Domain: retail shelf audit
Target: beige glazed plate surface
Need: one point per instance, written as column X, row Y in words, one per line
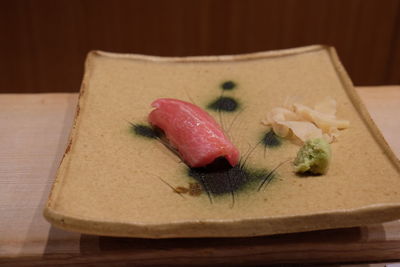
column 115, row 181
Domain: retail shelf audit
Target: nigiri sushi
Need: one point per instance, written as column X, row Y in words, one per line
column 195, row 134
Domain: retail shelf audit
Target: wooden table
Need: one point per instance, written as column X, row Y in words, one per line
column 33, row 134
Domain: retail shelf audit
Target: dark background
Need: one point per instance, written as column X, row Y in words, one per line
column 43, row 43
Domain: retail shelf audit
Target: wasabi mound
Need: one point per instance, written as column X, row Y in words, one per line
column 313, row 157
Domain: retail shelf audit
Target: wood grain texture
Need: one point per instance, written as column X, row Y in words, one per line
column 34, row 131
column 44, row 43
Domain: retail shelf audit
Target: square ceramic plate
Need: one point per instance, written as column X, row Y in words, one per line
column 115, row 181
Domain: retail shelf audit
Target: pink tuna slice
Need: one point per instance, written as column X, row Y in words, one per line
column 193, row 132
